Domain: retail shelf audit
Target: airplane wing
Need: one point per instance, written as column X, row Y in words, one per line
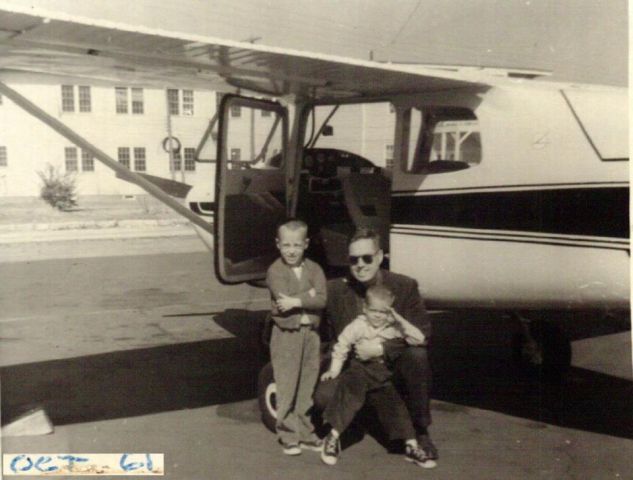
column 38, row 41
column 35, row 41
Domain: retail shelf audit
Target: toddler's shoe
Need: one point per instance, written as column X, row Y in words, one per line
column 331, row 449
column 418, row 456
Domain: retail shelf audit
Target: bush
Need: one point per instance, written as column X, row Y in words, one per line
column 58, row 189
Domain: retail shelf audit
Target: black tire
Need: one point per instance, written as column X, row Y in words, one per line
column 267, row 397
column 554, row 348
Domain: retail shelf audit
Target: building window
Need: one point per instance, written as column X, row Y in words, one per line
column 190, row 161
column 70, row 156
column 68, row 98
column 121, row 99
column 124, row 156
column 175, row 165
column 187, row 102
column 139, row 159
column 172, row 101
column 236, row 154
column 87, row 162
column 236, row 111
column 137, row 101
column 85, row 102
column 72, row 161
column 3, row 157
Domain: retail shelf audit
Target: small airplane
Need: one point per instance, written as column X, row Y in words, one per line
column 507, row 192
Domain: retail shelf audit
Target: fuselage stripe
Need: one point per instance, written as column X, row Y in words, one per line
column 528, row 235
column 584, row 212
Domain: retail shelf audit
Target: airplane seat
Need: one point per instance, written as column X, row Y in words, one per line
column 368, row 201
column 334, row 238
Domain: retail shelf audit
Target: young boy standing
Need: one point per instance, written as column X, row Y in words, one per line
column 379, row 320
column 298, row 292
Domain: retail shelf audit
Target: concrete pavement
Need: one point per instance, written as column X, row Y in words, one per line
column 148, row 353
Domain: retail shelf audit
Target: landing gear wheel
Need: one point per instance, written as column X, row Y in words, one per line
column 545, row 351
column 267, row 397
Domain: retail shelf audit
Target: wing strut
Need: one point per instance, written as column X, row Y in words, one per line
column 122, row 171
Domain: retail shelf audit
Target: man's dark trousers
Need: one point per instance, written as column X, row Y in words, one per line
column 369, row 381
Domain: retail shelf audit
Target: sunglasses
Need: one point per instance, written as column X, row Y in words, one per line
column 367, row 259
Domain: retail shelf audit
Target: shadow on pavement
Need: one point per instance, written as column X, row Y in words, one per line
column 471, row 367
column 142, row 381
column 470, row 358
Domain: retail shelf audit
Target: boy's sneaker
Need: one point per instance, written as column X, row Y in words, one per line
column 425, row 443
column 331, row 449
column 291, row 448
column 419, row 457
column 315, row 445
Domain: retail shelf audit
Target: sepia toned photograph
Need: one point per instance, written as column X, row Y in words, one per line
column 306, row 239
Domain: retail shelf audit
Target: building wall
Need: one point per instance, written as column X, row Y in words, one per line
column 31, row 145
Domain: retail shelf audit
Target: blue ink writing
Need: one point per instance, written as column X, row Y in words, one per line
column 71, row 460
column 46, row 459
column 15, row 461
column 128, row 467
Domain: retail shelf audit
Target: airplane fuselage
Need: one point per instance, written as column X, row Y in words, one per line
column 538, row 221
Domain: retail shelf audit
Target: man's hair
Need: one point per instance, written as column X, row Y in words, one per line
column 293, row 224
column 380, row 292
column 363, row 233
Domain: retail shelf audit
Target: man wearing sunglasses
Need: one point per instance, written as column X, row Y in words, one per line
column 410, row 364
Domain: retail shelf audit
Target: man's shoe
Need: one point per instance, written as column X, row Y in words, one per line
column 291, row 448
column 425, row 443
column 315, row 445
column 418, row 456
column 331, row 449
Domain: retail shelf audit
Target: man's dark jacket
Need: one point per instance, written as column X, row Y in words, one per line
column 344, row 304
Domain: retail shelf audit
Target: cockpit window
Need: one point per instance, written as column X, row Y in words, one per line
column 364, row 130
column 441, row 139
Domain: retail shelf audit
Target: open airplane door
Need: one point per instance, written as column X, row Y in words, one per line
column 250, row 187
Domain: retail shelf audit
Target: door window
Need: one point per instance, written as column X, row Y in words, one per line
column 251, row 194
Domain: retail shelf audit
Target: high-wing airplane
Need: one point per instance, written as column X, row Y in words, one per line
column 507, row 192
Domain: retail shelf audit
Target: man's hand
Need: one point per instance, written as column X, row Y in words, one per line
column 366, row 349
column 286, row 303
column 329, row 375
